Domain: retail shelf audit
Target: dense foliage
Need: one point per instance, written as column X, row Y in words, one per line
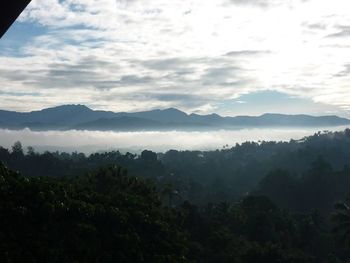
column 110, row 217
column 217, row 176
column 256, row 202
column 102, row 217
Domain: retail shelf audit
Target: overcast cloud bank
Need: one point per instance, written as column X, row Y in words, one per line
column 198, row 56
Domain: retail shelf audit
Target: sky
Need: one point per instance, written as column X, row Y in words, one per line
column 231, row 57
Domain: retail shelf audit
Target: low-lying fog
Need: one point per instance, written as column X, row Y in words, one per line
column 160, row 141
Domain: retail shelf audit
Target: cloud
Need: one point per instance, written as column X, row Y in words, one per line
column 260, row 3
column 175, row 97
column 248, row 53
column 345, row 72
column 265, row 3
column 269, row 101
column 164, row 64
column 194, row 55
column 342, row 31
column 315, row 26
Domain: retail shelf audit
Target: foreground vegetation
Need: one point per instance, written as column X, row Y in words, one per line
column 110, row 217
column 257, row 202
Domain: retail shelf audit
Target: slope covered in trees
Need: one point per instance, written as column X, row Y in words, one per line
column 107, row 216
column 255, row 202
column 101, row 217
column 321, row 160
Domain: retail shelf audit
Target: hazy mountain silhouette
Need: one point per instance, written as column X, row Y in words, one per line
column 81, row 117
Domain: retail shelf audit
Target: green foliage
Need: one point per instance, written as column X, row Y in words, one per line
column 103, row 217
column 318, row 188
column 17, row 149
column 108, row 216
column 255, row 202
column 252, row 230
column 218, row 176
column 341, row 221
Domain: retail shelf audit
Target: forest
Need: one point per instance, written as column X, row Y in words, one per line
column 255, row 202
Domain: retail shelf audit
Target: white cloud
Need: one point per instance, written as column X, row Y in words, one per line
column 120, row 55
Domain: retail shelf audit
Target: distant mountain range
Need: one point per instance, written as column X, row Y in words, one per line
column 80, row 117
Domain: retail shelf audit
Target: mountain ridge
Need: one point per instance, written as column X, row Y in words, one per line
column 66, row 117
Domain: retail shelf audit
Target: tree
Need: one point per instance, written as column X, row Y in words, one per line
column 17, row 148
column 281, row 187
column 30, row 150
column 341, row 220
column 149, row 156
column 105, row 216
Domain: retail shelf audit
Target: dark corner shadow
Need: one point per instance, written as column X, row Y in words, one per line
column 9, row 11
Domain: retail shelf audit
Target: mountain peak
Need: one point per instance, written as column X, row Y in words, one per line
column 174, row 110
column 72, row 106
column 67, row 108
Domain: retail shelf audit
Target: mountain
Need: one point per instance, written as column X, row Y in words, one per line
column 167, row 115
column 80, row 117
column 300, row 120
column 61, row 117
